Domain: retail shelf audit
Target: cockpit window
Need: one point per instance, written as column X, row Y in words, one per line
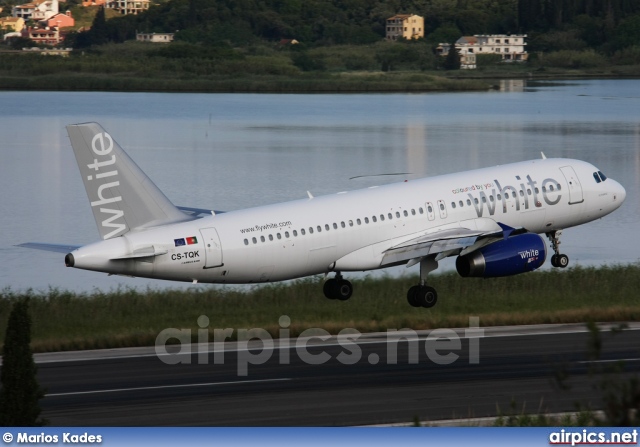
column 599, row 176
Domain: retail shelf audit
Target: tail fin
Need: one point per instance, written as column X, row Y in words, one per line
column 122, row 197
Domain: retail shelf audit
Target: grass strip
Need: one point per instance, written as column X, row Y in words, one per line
column 64, row 320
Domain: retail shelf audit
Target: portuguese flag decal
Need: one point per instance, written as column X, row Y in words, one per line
column 192, row 240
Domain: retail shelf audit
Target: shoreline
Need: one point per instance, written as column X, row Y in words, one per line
column 330, row 83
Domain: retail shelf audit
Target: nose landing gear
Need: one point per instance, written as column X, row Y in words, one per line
column 558, row 259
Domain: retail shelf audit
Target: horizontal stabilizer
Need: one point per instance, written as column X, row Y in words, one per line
column 145, row 252
column 59, row 248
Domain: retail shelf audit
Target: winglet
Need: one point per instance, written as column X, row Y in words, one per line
column 309, row 194
column 544, row 157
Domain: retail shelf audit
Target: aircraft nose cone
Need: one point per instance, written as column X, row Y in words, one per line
column 620, row 193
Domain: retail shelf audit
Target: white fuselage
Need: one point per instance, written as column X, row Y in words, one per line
column 350, row 231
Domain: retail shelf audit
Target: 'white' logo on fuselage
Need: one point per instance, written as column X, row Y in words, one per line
column 502, row 192
column 102, row 144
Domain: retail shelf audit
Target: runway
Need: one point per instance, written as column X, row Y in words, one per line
column 375, row 379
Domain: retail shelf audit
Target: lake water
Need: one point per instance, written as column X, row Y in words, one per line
column 230, row 151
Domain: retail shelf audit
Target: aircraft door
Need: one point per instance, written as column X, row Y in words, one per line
column 575, row 188
column 442, row 209
column 212, row 248
column 431, row 214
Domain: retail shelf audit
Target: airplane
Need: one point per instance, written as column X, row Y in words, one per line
column 491, row 219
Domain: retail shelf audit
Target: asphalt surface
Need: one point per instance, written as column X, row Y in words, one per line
column 356, row 384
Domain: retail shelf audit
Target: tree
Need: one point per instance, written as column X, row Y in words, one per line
column 99, row 32
column 452, row 60
column 20, row 390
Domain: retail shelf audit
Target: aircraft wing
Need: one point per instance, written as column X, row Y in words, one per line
column 446, row 242
column 60, row 248
column 198, row 211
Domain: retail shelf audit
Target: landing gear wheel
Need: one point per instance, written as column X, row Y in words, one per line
column 412, row 295
column 562, row 261
column 422, row 296
column 427, row 296
column 337, row 288
column 343, row 290
column 329, row 288
column 554, row 261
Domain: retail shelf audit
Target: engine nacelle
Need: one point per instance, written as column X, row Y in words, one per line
column 518, row 254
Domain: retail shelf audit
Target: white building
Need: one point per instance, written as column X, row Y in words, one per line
column 128, row 6
column 510, row 47
column 155, row 37
column 36, row 10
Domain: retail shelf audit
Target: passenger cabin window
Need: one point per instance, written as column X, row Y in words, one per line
column 326, row 227
column 279, row 236
column 310, row 230
column 373, row 218
column 359, row 221
column 405, row 213
column 430, row 209
column 246, row 242
column 468, row 202
column 366, row 220
column 295, row 233
column 254, row 240
column 398, row 214
column 413, row 212
column 350, row 223
column 261, row 238
column 342, row 224
column 420, row 210
column 442, row 206
column 335, row 226
column 453, row 204
column 382, row 217
column 271, row 237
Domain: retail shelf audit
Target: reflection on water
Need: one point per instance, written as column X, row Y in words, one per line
column 512, row 85
column 231, row 151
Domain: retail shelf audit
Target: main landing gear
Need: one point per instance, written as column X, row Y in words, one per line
column 423, row 295
column 338, row 288
column 558, row 259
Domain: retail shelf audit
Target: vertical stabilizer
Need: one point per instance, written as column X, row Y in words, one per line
column 122, row 197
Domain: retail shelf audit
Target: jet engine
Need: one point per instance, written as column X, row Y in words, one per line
column 517, row 254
